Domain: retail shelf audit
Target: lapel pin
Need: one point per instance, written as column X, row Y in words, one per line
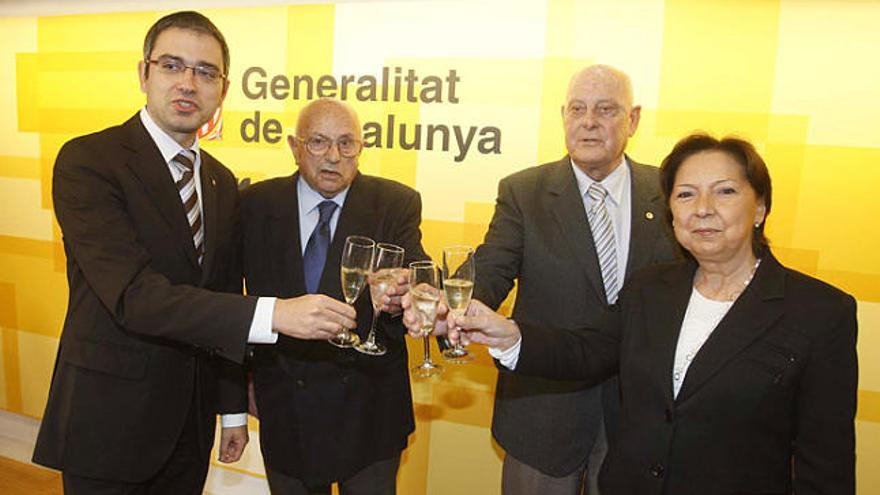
column 649, row 215
column 213, row 182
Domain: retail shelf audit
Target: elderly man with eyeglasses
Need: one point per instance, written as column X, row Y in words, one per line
column 569, row 233
column 329, row 414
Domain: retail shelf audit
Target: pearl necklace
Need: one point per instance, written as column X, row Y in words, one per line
column 679, row 372
column 733, row 294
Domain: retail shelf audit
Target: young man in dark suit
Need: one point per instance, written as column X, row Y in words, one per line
column 569, row 233
column 156, row 320
column 329, row 414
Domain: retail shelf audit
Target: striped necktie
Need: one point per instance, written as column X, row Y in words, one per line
column 186, row 186
column 603, row 238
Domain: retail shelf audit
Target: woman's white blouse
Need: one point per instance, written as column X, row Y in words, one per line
column 700, row 320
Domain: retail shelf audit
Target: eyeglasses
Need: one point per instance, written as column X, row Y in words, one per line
column 173, row 66
column 319, row 145
column 601, row 110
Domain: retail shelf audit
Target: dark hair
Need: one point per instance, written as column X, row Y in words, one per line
column 742, row 152
column 186, row 20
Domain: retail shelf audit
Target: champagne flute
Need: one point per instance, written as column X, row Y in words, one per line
column 357, row 257
column 458, row 285
column 423, row 280
column 382, row 276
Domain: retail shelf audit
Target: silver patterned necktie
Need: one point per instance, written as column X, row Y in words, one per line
column 186, row 186
column 603, row 239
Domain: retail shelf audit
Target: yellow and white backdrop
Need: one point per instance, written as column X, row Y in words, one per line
column 455, row 95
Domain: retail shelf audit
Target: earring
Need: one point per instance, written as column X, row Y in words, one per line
column 757, row 224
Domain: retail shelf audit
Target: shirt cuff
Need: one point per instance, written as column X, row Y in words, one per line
column 508, row 358
column 261, row 326
column 233, row 420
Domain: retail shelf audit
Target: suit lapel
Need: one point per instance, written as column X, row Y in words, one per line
column 209, row 214
column 150, row 168
column 664, row 312
column 286, row 249
column 567, row 206
column 355, row 215
column 646, row 212
column 755, row 311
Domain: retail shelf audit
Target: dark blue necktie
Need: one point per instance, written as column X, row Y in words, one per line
column 316, row 250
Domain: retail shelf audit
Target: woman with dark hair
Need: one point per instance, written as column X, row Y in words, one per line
column 737, row 375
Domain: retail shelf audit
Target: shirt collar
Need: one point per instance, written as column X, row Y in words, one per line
column 309, row 199
column 167, row 145
column 614, row 183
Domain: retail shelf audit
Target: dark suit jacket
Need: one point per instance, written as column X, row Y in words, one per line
column 767, row 405
column 141, row 327
column 326, row 413
column 540, row 237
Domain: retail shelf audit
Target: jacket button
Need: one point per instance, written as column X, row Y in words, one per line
column 301, row 383
column 670, row 415
column 657, row 470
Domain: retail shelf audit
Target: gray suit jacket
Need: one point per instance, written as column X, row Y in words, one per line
column 540, row 237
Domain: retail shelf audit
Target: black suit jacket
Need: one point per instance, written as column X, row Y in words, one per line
column 142, row 334
column 540, row 237
column 767, row 405
column 326, row 413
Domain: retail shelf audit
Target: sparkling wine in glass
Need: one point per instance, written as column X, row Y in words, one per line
column 458, row 286
column 357, row 257
column 423, row 280
column 383, row 275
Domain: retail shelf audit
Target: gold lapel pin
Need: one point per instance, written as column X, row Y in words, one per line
column 649, row 215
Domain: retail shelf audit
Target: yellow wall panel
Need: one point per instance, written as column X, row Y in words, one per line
column 719, row 55
column 36, row 361
column 93, row 32
column 17, row 34
column 19, row 167
column 837, row 207
column 869, row 344
column 11, row 370
column 41, row 293
column 4, row 403
column 823, row 69
column 867, row 452
column 21, row 212
column 788, row 74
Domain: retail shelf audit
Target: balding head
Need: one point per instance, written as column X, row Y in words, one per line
column 599, row 118
column 606, row 75
column 327, row 145
column 317, row 108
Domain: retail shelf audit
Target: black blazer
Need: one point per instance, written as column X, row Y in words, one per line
column 540, row 237
column 767, row 405
column 326, row 413
column 142, row 333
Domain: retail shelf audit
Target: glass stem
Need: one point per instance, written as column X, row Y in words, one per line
column 427, row 350
column 371, row 338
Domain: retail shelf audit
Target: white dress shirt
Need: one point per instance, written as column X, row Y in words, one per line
column 309, row 214
column 700, row 319
column 260, row 331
